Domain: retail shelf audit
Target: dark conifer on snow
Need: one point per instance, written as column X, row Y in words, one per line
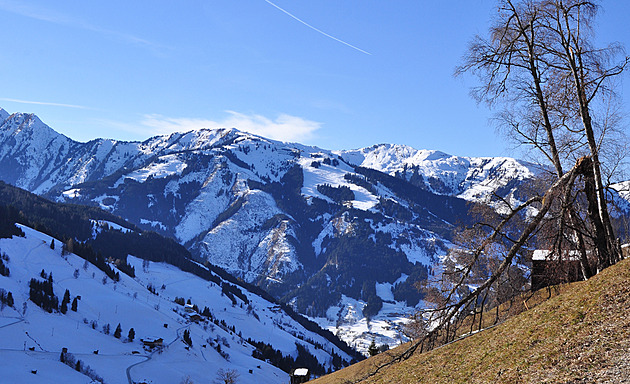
column 118, row 331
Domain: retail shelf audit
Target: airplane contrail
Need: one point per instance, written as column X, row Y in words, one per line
column 318, row 30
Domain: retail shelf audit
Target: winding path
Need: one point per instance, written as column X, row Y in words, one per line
column 150, row 356
column 15, row 322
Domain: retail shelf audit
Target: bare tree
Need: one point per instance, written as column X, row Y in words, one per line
column 557, row 89
column 558, row 92
column 539, row 61
column 227, row 376
column 587, row 72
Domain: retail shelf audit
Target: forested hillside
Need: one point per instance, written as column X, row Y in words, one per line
column 106, row 241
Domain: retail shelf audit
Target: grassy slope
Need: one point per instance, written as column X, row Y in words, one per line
column 579, row 336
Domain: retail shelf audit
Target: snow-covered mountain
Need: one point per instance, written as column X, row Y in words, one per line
column 341, row 236
column 233, row 329
column 470, row 178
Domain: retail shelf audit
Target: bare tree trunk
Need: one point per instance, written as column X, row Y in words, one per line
column 605, row 236
column 569, row 38
column 601, row 241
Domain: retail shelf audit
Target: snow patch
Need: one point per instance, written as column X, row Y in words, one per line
column 72, row 193
column 154, row 223
column 163, row 167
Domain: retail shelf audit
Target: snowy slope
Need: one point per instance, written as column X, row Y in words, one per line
column 32, row 339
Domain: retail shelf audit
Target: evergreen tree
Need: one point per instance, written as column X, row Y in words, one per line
column 52, row 244
column 4, row 270
column 41, row 293
column 6, row 298
column 64, row 302
column 187, row 338
column 373, row 349
column 118, row 331
column 74, row 304
column 132, row 334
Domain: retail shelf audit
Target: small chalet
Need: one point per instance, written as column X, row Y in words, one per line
column 549, row 269
column 196, row 318
column 300, row 375
column 153, row 342
column 189, row 308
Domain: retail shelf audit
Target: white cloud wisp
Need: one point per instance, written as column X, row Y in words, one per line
column 43, row 103
column 283, row 128
column 52, row 16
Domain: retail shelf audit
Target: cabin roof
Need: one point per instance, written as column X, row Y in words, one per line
column 546, row 255
column 151, row 339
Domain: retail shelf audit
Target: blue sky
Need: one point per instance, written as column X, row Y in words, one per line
column 336, row 74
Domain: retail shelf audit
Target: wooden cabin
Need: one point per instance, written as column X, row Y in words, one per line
column 153, row 342
column 300, row 375
column 549, row 269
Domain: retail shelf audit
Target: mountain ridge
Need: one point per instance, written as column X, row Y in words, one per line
column 296, row 220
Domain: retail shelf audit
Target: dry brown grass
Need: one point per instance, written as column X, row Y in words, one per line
column 581, row 335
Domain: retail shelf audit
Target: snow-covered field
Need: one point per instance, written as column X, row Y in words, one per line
column 32, row 339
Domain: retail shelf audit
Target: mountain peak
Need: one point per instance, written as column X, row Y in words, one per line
column 431, row 155
column 390, row 158
column 3, row 115
column 27, row 122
